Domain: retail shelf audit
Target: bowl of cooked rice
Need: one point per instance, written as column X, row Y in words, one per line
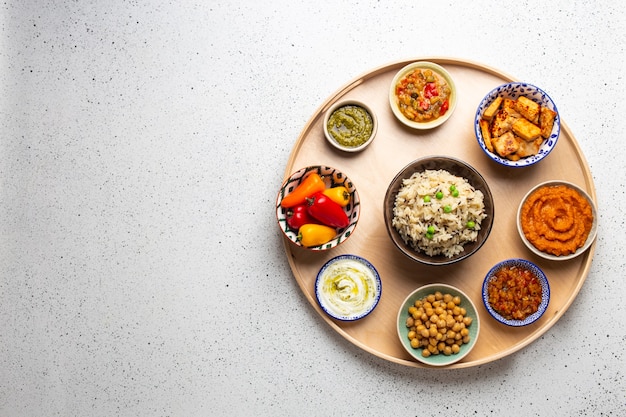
column 438, row 210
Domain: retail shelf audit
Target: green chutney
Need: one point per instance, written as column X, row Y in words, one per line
column 350, row 125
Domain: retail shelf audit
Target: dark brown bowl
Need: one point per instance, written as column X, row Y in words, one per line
column 455, row 167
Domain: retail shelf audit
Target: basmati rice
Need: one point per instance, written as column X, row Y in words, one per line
column 438, row 226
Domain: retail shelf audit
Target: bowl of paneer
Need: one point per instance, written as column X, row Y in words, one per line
column 517, row 124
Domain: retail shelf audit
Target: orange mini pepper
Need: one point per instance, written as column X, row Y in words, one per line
column 312, row 184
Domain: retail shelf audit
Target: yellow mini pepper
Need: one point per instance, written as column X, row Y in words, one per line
column 315, row 234
column 339, row 195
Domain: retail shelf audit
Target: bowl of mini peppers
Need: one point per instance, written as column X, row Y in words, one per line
column 318, row 207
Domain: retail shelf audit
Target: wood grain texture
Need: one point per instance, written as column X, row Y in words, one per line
column 373, row 169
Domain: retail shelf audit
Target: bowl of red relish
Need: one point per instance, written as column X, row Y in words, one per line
column 516, row 292
column 422, row 95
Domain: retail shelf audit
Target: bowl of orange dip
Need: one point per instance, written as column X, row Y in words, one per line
column 516, row 292
column 557, row 220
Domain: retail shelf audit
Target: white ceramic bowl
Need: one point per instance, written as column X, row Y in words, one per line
column 361, row 283
column 355, row 103
column 513, row 91
column 332, row 177
column 393, row 99
column 439, row 359
column 537, row 272
column 590, row 237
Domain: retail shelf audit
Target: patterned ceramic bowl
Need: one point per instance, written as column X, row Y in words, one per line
column 439, row 359
column 520, row 265
column 348, row 288
column 332, row 178
column 513, row 91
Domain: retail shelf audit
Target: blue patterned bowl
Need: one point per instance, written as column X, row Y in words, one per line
column 333, row 178
column 359, row 278
column 513, row 91
column 536, row 271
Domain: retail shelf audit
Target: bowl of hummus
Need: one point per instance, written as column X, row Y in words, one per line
column 348, row 287
column 557, row 220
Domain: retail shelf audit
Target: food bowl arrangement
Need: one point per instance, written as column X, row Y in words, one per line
column 557, row 220
column 348, row 288
column 517, row 124
column 447, row 337
column 438, row 210
column 350, row 125
column 422, row 95
column 516, row 292
column 318, row 207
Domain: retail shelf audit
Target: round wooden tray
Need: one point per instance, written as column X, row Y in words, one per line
column 374, row 168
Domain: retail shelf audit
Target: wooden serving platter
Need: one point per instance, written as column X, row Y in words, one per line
column 373, row 169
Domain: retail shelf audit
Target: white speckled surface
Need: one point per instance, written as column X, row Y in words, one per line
column 141, row 272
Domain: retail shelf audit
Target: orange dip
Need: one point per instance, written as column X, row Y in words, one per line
column 556, row 219
column 515, row 293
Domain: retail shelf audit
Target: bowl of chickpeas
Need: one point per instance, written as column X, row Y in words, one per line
column 438, row 324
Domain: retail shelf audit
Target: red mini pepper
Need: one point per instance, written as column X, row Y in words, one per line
column 298, row 216
column 327, row 211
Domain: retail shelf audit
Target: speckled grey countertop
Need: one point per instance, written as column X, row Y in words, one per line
column 141, row 270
